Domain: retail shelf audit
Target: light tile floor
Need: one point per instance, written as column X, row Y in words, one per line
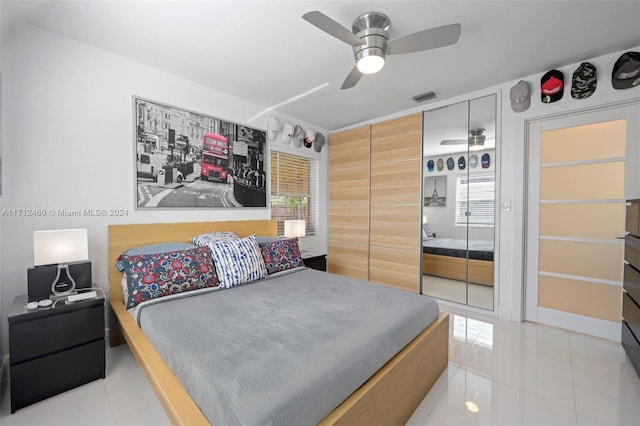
column 480, row 296
column 499, row 373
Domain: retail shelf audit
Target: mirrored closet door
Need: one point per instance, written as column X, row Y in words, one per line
column 459, row 202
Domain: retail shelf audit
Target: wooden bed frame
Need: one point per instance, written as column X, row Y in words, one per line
column 390, row 396
column 455, row 268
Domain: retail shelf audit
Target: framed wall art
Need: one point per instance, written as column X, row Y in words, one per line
column 435, row 191
column 186, row 159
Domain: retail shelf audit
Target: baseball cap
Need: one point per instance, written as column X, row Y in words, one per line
column 486, row 161
column 287, row 132
column 473, row 161
column 552, row 86
column 450, row 163
column 462, row 163
column 298, row 136
column 584, row 81
column 318, row 142
column 520, row 96
column 440, row 164
column 273, row 128
column 626, row 71
column 430, row 165
column 309, row 137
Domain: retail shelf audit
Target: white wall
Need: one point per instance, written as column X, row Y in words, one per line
column 68, row 144
column 510, row 164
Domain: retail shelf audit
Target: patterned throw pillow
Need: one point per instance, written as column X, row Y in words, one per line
column 238, row 261
column 280, row 255
column 152, row 248
column 150, row 276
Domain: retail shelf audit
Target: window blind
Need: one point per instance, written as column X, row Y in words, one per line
column 295, row 184
column 475, row 195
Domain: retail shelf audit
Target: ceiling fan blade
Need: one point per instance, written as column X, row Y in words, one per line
column 453, row 142
column 459, row 141
column 330, row 26
column 425, row 40
column 352, row 79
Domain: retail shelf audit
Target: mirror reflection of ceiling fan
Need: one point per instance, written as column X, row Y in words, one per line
column 476, row 139
column 371, row 44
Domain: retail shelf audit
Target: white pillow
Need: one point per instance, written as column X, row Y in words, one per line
column 237, row 261
column 203, row 240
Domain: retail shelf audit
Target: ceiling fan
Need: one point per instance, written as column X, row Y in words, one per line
column 371, row 44
column 476, row 139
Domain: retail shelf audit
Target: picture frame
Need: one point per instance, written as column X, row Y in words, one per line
column 186, row 159
column 435, row 191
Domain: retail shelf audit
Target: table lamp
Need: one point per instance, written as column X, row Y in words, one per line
column 59, row 247
column 294, row 228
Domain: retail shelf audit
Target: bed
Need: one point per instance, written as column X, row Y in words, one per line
column 447, row 258
column 389, row 395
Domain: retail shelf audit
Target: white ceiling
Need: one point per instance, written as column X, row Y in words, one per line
column 265, row 53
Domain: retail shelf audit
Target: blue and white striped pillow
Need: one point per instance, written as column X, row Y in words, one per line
column 238, row 261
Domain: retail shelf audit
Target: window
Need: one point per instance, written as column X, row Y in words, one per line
column 475, row 194
column 294, row 190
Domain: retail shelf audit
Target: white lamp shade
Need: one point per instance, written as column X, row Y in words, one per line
column 60, row 246
column 294, row 228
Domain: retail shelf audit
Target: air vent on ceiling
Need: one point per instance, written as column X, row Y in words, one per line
column 424, row 96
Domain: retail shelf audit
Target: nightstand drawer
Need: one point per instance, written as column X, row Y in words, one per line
column 30, row 339
column 632, row 282
column 632, row 250
column 44, row 377
column 631, row 314
column 631, row 346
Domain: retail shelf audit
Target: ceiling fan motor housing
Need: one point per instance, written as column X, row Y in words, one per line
column 476, row 137
column 372, row 28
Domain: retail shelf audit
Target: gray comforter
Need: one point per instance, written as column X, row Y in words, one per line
column 286, row 350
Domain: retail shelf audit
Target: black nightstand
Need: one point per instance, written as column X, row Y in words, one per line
column 54, row 349
column 314, row 260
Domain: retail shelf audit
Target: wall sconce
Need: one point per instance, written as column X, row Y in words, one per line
column 295, row 228
column 60, row 247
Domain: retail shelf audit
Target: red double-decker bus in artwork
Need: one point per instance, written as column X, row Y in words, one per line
column 215, row 157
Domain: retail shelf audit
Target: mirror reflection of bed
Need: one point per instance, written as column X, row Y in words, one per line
column 448, row 273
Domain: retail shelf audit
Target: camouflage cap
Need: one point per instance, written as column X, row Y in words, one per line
column 584, row 81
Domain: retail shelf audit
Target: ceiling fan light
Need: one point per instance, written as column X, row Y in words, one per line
column 370, row 64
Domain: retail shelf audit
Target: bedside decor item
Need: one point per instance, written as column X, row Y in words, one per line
column 59, row 247
column 295, row 228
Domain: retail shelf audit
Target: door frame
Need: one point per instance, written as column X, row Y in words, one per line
column 531, row 183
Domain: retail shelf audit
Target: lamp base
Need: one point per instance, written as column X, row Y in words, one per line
column 63, row 283
column 40, row 279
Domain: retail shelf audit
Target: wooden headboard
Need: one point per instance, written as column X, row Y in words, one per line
column 123, row 237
